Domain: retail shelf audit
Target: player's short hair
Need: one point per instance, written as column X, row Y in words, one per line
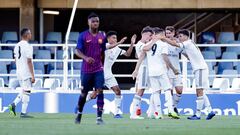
column 170, row 28
column 184, row 32
column 24, row 31
column 111, row 33
column 92, row 15
column 158, row 30
column 147, row 29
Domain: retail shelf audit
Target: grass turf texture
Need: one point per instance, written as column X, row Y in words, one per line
column 63, row 124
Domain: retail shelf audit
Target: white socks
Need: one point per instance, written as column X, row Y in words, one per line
column 176, row 99
column 207, row 103
column 169, row 100
column 157, row 102
column 18, row 98
column 200, row 102
column 25, row 101
column 118, row 101
column 136, row 104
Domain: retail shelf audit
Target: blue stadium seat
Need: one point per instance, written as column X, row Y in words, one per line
column 209, row 55
column 230, row 55
column 54, row 37
column 39, row 66
column 238, row 67
column 38, row 72
column 224, row 65
column 208, row 38
column 9, row 36
column 217, row 50
column 225, row 37
column 73, row 37
column 230, row 72
column 234, row 48
column 43, row 54
column 211, row 78
column 57, row 72
column 6, row 54
column 3, row 70
column 77, row 65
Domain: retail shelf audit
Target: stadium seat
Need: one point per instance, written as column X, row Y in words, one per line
column 37, row 73
column 224, row 65
column 38, row 83
column 9, row 37
column 238, row 67
column 1, row 82
column 54, row 37
column 3, row 70
column 225, row 37
column 57, row 72
column 209, row 55
column 211, row 78
column 230, row 55
column 51, row 83
column 210, row 66
column 236, row 83
column 235, row 49
column 43, row 54
column 73, row 84
column 39, row 66
column 208, row 38
column 59, row 56
column 221, row 83
column 217, row 50
column 6, row 54
column 73, row 37
column 230, row 72
column 77, row 65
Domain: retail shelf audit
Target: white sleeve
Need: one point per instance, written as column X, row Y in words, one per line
column 164, row 49
column 28, row 51
column 122, row 52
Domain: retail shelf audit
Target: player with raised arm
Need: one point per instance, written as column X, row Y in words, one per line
column 173, row 55
column 158, row 62
column 200, row 70
column 110, row 57
column 142, row 77
column 23, row 54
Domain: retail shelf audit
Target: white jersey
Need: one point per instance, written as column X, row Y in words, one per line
column 22, row 51
column 138, row 49
column 173, row 55
column 156, row 64
column 194, row 54
column 110, row 57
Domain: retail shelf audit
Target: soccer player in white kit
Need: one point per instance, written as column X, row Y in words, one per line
column 157, row 63
column 173, row 55
column 111, row 56
column 23, row 54
column 200, row 70
column 142, row 77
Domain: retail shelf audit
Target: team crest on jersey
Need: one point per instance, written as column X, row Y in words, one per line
column 100, row 41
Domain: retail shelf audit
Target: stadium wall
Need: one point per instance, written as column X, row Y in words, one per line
column 50, row 102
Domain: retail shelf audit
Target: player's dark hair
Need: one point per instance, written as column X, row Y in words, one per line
column 110, row 33
column 147, row 29
column 170, row 28
column 184, row 32
column 158, row 30
column 92, row 15
column 24, row 31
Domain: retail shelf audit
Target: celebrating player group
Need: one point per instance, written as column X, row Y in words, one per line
column 157, row 69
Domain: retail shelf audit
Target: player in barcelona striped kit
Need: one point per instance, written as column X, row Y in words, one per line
column 90, row 47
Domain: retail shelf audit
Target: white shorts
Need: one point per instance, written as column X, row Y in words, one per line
column 110, row 82
column 26, row 84
column 177, row 81
column 160, row 83
column 201, row 78
column 142, row 77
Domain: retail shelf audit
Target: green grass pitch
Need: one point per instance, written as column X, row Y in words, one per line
column 63, row 124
